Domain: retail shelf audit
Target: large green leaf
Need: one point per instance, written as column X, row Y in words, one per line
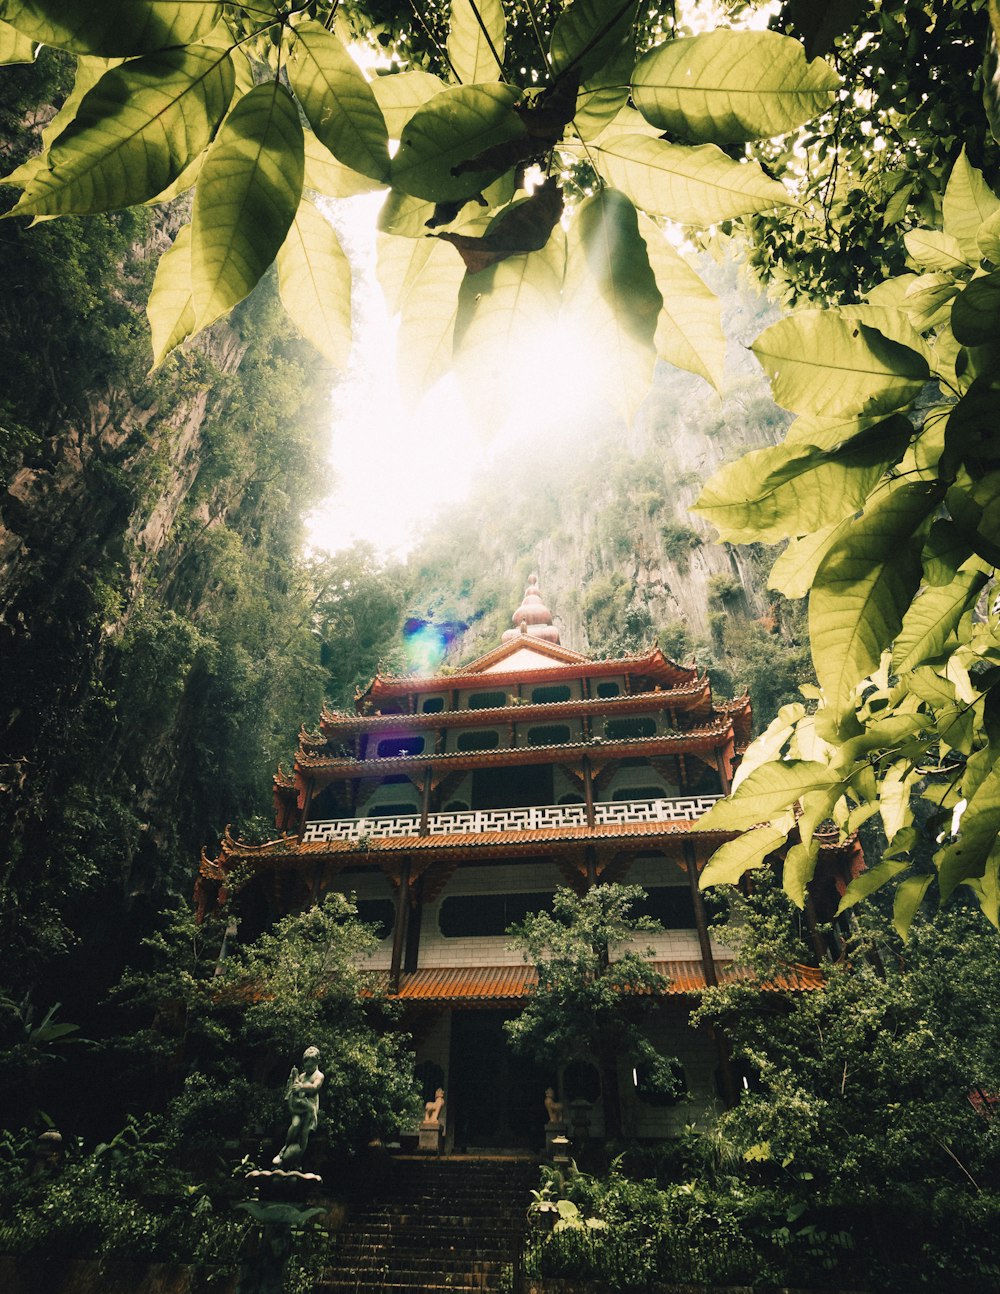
column 968, row 203
column 978, row 828
column 453, row 128
column 869, row 882
column 314, row 281
column 338, row 101
column 512, row 303
column 111, row 27
column 617, row 259
column 909, row 896
column 589, row 34
column 798, row 870
column 429, row 308
column 247, row 197
column 133, row 133
column 794, row 571
column 333, row 179
column 399, row 262
column 603, row 95
column 863, row 587
column 689, row 326
column 727, row 87
column 400, row 95
column 14, row 47
column 738, row 856
column 931, row 619
column 170, row 308
column 476, row 37
column 695, row 186
column 975, row 312
column 769, row 791
column 933, row 249
column 782, row 491
column 820, row 363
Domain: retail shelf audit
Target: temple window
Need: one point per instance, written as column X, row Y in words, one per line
column 572, row 798
column 380, row 913
column 549, row 734
column 671, row 1089
column 474, row 915
column 671, row 905
column 456, row 806
column 432, row 704
column 390, row 810
column 391, row 747
column 581, row 1082
column 639, row 725
column 608, row 689
column 639, row 793
column 478, row 739
column 550, row 694
column 487, row 700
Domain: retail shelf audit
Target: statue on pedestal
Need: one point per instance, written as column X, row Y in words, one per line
column 553, row 1108
column 433, row 1110
column 302, row 1095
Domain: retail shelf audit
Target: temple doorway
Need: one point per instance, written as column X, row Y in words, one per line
column 496, row 1099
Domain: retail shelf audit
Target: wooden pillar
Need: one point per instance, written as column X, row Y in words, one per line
column 425, row 803
column 724, row 779
column 588, row 790
column 590, row 854
column 306, row 804
column 399, row 926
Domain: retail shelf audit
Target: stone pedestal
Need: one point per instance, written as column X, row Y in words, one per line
column 279, row 1203
column 552, row 1131
column 431, row 1136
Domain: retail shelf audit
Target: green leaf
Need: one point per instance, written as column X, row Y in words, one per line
column 15, row 48
column 404, row 216
column 988, row 239
column 429, row 308
column 769, row 744
column 400, row 95
column 768, row 791
column 863, row 886
column 927, row 298
column 476, row 35
column 978, row 826
column 863, row 588
column 453, row 128
column 798, row 870
column 891, row 322
column 741, row 855
column 603, row 95
column 728, row 87
column 503, row 309
column 820, row 363
column 617, row 259
column 968, row 203
column 932, row 249
column 771, row 494
column 794, row 571
column 333, row 179
column 247, row 197
column 987, row 888
column 689, row 327
column 133, row 133
column 894, row 799
column 399, row 262
column 931, row 619
column 589, row 34
column 909, row 896
column 170, row 309
column 695, row 186
column 975, row 312
column 314, row 281
column 338, row 101
column 112, row 27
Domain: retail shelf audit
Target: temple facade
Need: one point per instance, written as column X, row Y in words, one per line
column 453, row 805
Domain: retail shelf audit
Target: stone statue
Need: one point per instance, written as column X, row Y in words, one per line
column 433, row 1110
column 553, row 1108
column 302, row 1095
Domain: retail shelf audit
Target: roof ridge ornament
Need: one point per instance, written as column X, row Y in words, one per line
column 532, row 618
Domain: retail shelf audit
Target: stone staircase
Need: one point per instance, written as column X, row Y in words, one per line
column 450, row 1224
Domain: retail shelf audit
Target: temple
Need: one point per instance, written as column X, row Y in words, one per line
column 452, row 805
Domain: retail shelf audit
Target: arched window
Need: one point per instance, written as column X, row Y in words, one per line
column 487, row 700
column 549, row 734
column 478, row 739
column 392, row 747
column 663, row 1084
column 639, row 793
column 432, row 704
column 638, row 725
column 608, row 689
column 550, row 693
column 380, row 913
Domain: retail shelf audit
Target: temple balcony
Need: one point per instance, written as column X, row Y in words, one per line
column 532, row 818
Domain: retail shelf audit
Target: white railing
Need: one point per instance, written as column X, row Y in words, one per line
column 479, row 821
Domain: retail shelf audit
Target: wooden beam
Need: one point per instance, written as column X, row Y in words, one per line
column 588, row 790
column 399, row 926
column 425, row 803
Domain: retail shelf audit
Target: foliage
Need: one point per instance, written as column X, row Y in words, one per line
column 886, row 488
column 554, row 95
column 594, row 987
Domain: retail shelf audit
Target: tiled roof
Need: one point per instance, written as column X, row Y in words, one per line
column 496, row 985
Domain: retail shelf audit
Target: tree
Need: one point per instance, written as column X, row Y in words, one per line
column 587, row 1005
column 473, row 253
column 887, row 488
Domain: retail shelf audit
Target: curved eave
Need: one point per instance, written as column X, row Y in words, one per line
column 697, row 740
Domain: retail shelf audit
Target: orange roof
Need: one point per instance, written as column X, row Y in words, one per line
column 496, row 985
column 483, row 671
